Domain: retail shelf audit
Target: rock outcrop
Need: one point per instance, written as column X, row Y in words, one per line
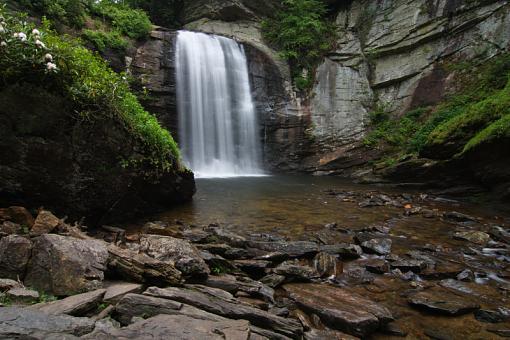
column 74, row 167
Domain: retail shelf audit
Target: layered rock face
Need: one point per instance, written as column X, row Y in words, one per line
column 393, row 55
column 390, row 54
column 74, row 167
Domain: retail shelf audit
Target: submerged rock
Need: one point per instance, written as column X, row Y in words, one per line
column 339, row 308
column 66, row 265
column 443, row 302
column 478, row 237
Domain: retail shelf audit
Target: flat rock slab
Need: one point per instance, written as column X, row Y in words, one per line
column 292, row 249
column 22, row 323
column 76, row 305
column 179, row 327
column 116, row 291
column 221, row 303
column 339, row 308
column 441, row 301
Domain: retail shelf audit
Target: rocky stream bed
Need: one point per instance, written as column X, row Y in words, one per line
column 341, row 280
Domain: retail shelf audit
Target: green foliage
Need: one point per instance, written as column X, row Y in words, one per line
column 96, row 91
column 133, row 23
column 478, row 113
column 103, row 40
column 43, row 297
column 302, row 34
column 69, row 12
column 164, row 13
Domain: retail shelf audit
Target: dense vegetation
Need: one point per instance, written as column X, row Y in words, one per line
column 302, row 34
column 63, row 65
column 478, row 113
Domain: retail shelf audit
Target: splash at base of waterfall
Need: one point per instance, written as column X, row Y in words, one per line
column 218, row 128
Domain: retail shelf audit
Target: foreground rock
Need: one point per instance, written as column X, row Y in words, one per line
column 219, row 302
column 443, row 302
column 76, row 305
column 340, row 309
column 66, row 265
column 22, row 323
column 15, row 252
column 141, row 268
column 185, row 256
column 178, row 327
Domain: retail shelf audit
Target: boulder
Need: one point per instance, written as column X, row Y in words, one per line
column 217, row 302
column 130, row 265
column 23, row 323
column 9, row 228
column 177, row 327
column 18, row 215
column 186, row 256
column 45, row 223
column 340, row 309
column 63, row 265
column 76, row 305
column 441, row 301
column 15, row 252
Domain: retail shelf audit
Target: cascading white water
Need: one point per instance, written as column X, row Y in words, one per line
column 218, row 130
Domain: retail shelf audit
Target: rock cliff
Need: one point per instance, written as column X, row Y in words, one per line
column 390, row 54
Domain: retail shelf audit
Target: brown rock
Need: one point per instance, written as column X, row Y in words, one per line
column 21, row 216
column 340, row 309
column 45, row 223
column 116, row 291
column 327, row 265
column 15, row 252
column 441, row 301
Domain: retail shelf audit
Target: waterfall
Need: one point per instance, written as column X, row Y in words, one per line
column 218, row 130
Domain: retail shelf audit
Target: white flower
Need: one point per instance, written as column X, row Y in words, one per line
column 3, row 44
column 22, row 36
column 48, row 57
column 2, row 29
column 51, row 67
column 15, row 35
column 39, row 44
column 35, row 31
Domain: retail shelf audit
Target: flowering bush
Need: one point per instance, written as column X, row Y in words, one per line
column 23, row 52
column 63, row 66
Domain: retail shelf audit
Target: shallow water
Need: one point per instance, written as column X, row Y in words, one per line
column 299, row 207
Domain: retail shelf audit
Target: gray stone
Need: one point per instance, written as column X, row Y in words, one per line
column 66, row 265
column 296, row 272
column 235, row 284
column 340, row 309
column 76, row 305
column 178, row 327
column 6, row 284
column 186, row 257
column 214, row 301
column 15, row 252
column 22, row 323
column 344, row 250
column 273, row 280
column 292, row 249
column 22, row 295
column 478, row 237
column 380, row 246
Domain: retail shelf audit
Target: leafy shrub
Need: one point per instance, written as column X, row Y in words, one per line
column 103, row 40
column 133, row 23
column 95, row 90
column 69, row 12
column 302, row 34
